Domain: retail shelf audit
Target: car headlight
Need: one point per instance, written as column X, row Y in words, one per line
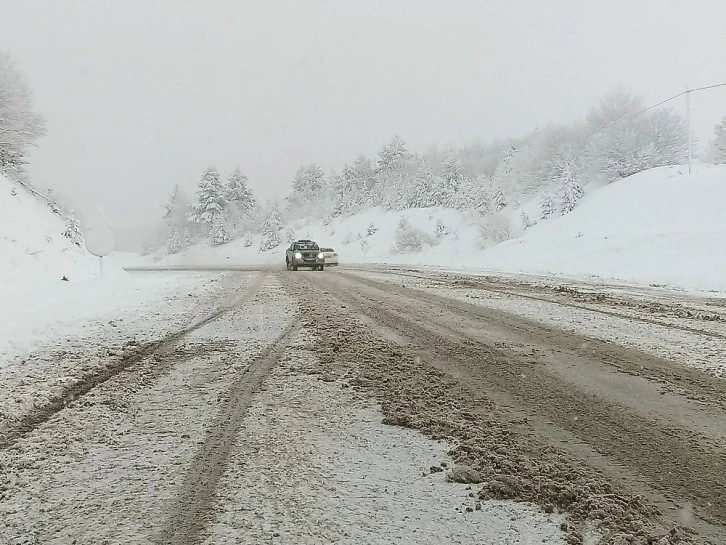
column 298, row 255
column 320, row 255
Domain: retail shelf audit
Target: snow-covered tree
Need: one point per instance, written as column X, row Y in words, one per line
column 392, row 156
column 372, row 229
column 717, row 149
column 20, row 126
column 451, row 180
column 187, row 240
column 440, row 229
column 211, row 199
column 220, row 234
column 427, row 189
column 238, row 193
column 73, row 229
column 526, row 222
column 271, row 226
column 499, row 201
column 548, row 207
column 310, row 193
column 172, row 244
column 569, row 179
column 290, row 235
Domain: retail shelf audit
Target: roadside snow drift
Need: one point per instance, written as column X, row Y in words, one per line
column 661, row 226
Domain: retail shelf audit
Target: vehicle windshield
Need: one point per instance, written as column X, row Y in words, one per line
column 306, row 246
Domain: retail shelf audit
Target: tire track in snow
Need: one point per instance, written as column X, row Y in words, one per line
column 39, row 415
column 191, row 512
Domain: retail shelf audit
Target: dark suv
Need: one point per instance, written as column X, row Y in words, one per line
column 304, row 253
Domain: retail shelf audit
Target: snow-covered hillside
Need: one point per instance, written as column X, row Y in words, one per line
column 33, row 250
column 662, row 226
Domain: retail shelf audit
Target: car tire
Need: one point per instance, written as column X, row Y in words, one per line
column 321, row 268
column 294, row 267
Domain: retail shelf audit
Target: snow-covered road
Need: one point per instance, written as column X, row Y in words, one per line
column 256, row 407
column 220, row 426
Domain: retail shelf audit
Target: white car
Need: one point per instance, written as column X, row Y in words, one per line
column 331, row 256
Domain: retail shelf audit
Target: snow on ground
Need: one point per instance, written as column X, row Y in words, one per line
column 33, row 249
column 314, row 464
column 705, row 351
column 46, row 347
column 662, row 226
column 105, row 468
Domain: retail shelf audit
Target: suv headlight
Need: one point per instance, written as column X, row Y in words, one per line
column 298, row 255
column 320, row 255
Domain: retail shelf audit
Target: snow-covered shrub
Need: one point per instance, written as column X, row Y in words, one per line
column 409, row 238
column 290, row 235
column 440, row 230
column 496, row 228
column 372, row 229
column 526, row 221
column 248, row 240
column 73, row 230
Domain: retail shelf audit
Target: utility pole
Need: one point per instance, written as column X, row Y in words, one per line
column 688, row 120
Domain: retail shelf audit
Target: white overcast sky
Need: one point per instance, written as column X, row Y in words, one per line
column 139, row 95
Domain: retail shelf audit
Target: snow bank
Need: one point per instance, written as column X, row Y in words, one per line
column 662, row 226
column 34, row 252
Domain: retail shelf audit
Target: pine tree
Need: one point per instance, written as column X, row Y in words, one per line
column 290, row 235
column 372, row 229
column 73, row 230
column 548, row 207
column 172, row 244
column 428, row 191
column 211, row 198
column 393, row 155
column 219, row 230
column 440, row 229
column 270, row 228
column 451, row 180
column 187, row 237
column 499, row 200
column 568, row 178
column 238, row 192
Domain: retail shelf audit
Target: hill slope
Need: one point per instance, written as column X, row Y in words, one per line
column 33, row 249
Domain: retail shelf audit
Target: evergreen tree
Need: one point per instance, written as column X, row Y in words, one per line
column 187, row 237
column 271, row 226
column 372, row 229
column 548, row 207
column 219, row 230
column 172, row 244
column 451, row 180
column 290, row 235
column 392, row 156
column 238, row 192
column 211, row 199
column 73, row 230
column 428, row 191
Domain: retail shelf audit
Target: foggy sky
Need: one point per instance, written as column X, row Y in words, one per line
column 139, row 95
